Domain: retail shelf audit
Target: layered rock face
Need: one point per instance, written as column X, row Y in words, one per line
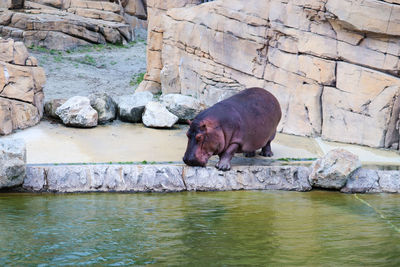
column 156, row 9
column 21, row 84
column 332, row 64
column 63, row 24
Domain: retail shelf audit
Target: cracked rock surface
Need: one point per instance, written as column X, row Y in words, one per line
column 21, row 87
column 334, row 65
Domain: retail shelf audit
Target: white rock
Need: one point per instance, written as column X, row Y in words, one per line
column 183, row 106
column 77, row 112
column 333, row 170
column 105, row 107
column 156, row 115
column 131, row 107
column 12, row 162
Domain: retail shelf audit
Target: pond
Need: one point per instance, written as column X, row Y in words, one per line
column 317, row 228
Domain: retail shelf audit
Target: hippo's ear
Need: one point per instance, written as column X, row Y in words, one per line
column 189, row 122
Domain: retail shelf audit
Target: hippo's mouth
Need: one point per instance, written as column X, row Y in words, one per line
column 195, row 162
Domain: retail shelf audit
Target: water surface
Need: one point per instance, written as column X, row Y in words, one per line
column 200, row 229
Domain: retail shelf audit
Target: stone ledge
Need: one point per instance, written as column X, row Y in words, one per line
column 162, row 178
column 176, row 178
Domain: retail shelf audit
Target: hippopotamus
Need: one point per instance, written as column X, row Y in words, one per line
column 244, row 123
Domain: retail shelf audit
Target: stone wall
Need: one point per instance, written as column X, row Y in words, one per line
column 333, row 64
column 156, row 10
column 173, row 178
column 63, row 24
column 21, row 87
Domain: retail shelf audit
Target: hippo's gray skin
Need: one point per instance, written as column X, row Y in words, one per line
column 244, row 122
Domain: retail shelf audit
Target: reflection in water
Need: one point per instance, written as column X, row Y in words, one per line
column 213, row 228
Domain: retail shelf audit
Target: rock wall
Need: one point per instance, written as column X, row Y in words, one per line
column 63, row 24
column 332, row 64
column 173, row 178
column 156, row 9
column 21, row 87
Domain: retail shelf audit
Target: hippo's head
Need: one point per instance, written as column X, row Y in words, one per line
column 204, row 141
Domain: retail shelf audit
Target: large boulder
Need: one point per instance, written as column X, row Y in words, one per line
column 131, row 107
column 105, row 107
column 333, row 170
column 12, row 162
column 78, row 112
column 157, row 116
column 51, row 106
column 21, row 87
column 182, row 106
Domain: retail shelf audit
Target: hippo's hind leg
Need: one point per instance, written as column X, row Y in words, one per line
column 249, row 154
column 266, row 150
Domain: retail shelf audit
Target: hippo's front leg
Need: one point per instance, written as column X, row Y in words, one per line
column 225, row 157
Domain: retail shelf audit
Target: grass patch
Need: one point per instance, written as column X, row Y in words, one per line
column 137, row 78
column 39, row 49
column 88, row 60
column 297, row 159
column 58, row 58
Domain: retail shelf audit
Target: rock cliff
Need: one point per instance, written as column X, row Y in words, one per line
column 63, row 24
column 21, row 87
column 333, row 64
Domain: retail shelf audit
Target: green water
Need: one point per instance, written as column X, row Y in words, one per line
column 200, row 229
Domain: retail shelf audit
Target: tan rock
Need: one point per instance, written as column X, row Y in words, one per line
column 368, row 57
column 96, row 14
column 24, row 115
column 38, row 102
column 52, row 3
column 136, row 8
column 302, row 51
column 20, row 53
column 52, row 40
column 17, row 82
column 363, row 16
column 6, row 125
column 150, row 86
column 6, row 50
column 99, row 5
column 31, row 61
column 360, row 108
column 154, row 58
column 342, row 34
column 320, row 70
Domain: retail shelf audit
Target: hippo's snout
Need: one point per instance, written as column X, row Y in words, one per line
column 192, row 162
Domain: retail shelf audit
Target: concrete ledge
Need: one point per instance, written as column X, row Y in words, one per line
column 175, row 178
column 162, row 178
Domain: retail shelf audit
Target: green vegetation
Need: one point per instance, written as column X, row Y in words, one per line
column 86, row 48
column 137, row 78
column 87, row 59
column 58, row 58
column 296, row 159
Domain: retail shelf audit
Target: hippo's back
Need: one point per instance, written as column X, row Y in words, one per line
column 259, row 114
column 256, row 102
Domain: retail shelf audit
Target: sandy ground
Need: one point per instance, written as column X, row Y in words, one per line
column 114, row 70
column 100, row 68
column 132, row 142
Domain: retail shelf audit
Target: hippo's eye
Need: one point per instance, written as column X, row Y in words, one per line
column 199, row 137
